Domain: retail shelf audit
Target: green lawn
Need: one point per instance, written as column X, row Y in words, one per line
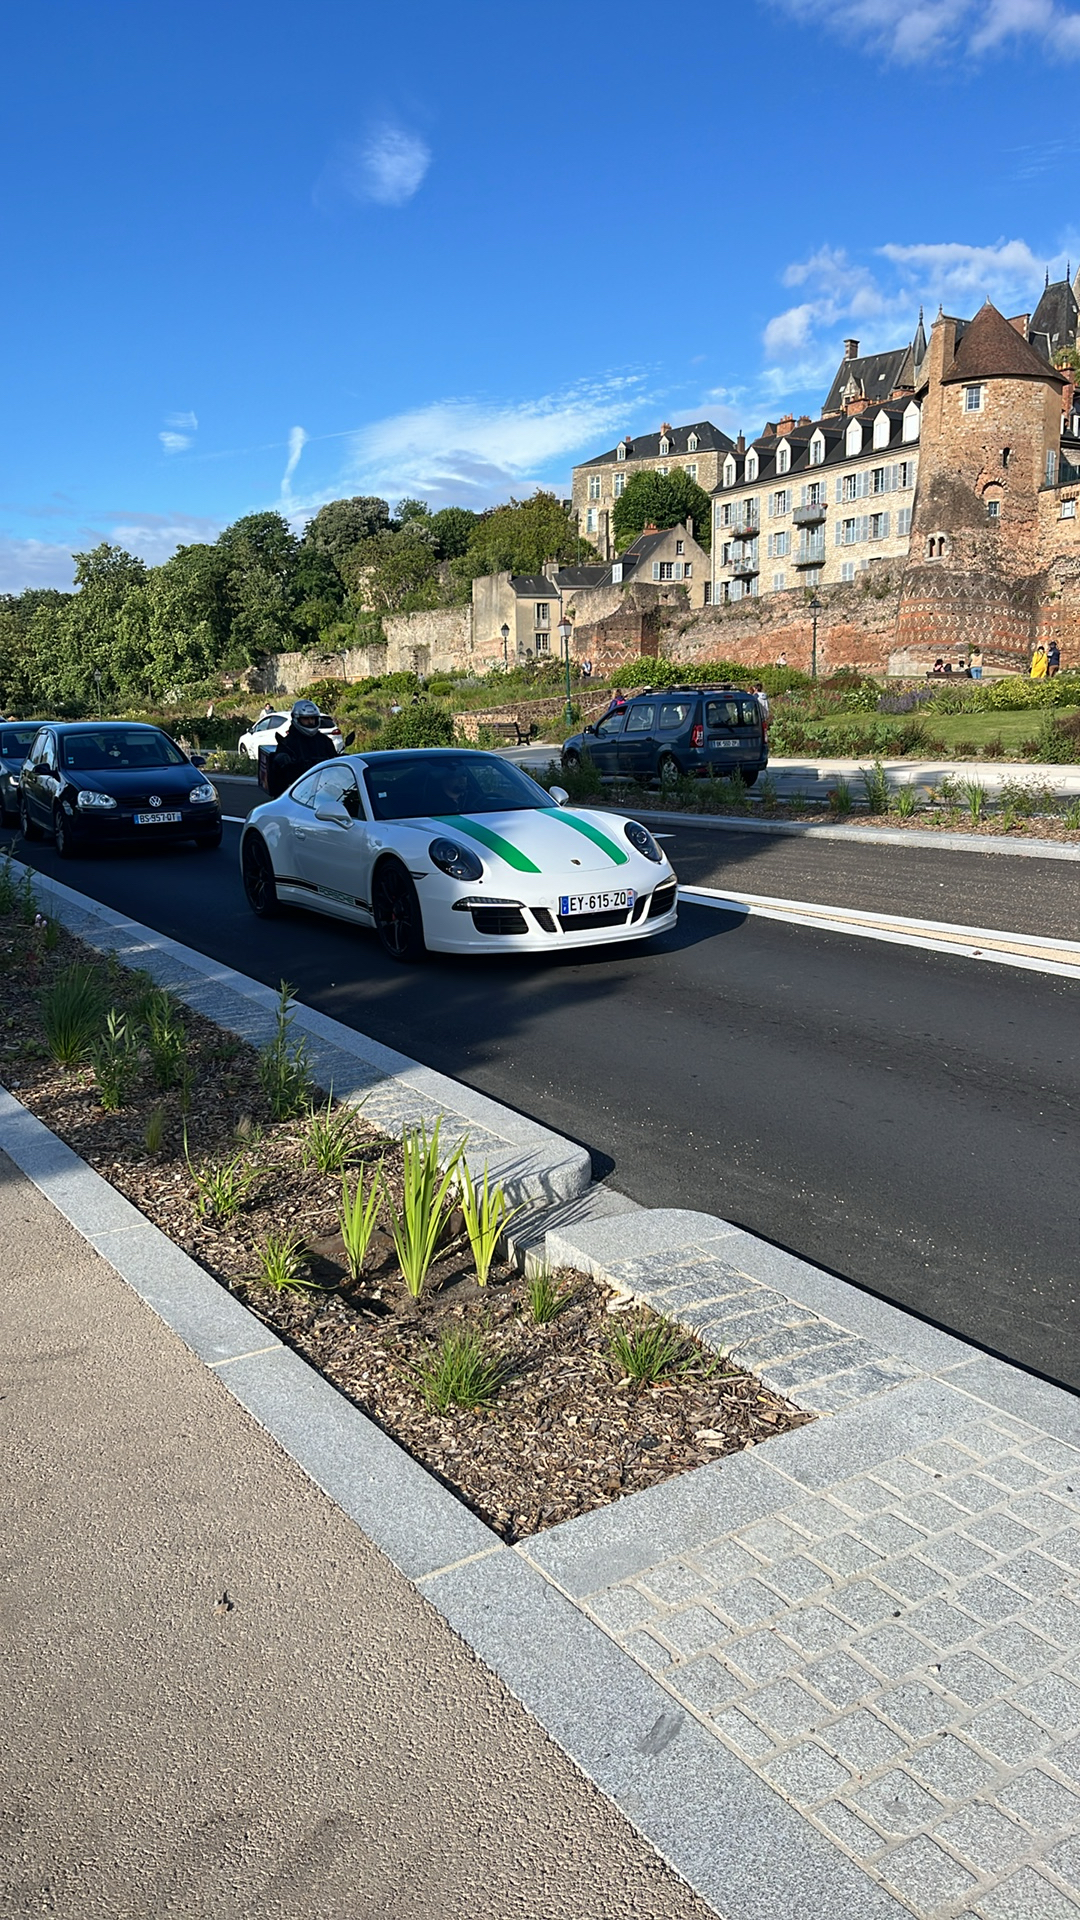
column 968, row 731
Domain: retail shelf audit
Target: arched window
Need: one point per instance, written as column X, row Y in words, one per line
column 751, row 468
column 783, row 457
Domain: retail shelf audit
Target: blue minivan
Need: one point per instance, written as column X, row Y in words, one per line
column 681, row 730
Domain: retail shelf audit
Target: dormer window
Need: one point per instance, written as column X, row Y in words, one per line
column 751, row 468
column 665, row 444
column 882, row 430
column 783, row 457
column 692, row 444
column 817, row 450
column 620, row 451
column 853, row 438
column 729, row 473
column 911, row 421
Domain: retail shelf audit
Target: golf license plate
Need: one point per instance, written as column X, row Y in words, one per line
column 609, row 902
column 158, row 819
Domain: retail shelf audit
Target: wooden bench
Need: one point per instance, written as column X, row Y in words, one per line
column 513, row 732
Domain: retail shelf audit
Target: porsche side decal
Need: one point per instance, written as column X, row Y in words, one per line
column 494, row 842
column 610, row 847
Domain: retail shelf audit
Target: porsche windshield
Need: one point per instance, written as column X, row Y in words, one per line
column 415, row 785
column 118, row 750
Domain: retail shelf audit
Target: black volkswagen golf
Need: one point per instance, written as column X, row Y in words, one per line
column 96, row 782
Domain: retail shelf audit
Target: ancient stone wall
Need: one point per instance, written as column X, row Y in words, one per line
column 538, row 713
column 856, row 628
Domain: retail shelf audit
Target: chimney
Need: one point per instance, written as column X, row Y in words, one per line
column 1019, row 324
column 804, row 420
column 689, row 526
column 650, row 527
column 665, row 427
column 785, row 425
column 740, row 444
column 851, row 349
column 858, row 403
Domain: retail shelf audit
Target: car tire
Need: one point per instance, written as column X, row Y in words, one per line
column 206, row 842
column 27, row 824
column 257, row 871
column 62, row 835
column 245, row 752
column 750, row 776
column 571, row 759
column 395, row 906
column 668, row 769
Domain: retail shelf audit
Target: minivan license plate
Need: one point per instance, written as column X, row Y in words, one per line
column 158, row 819
column 572, row 903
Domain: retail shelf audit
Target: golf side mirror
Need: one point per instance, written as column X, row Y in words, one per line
column 197, row 759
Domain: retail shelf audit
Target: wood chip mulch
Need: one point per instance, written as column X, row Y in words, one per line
column 566, row 1432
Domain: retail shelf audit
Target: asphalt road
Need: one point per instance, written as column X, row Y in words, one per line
column 906, row 1119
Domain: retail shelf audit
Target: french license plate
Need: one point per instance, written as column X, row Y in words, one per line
column 158, row 819
column 571, row 903
column 729, row 744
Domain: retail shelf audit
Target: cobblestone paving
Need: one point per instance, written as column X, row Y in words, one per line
column 899, row 1655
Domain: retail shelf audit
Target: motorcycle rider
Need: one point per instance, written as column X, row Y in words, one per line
column 299, row 746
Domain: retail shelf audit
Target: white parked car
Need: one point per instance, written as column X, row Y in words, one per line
column 264, row 733
column 457, row 851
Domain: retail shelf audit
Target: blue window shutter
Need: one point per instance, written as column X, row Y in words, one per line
column 839, row 489
column 885, row 526
column 838, row 527
column 802, row 497
column 656, row 569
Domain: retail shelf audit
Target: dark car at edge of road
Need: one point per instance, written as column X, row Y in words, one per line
column 681, row 730
column 93, row 782
column 16, row 739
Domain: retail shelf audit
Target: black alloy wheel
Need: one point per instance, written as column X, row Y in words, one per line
column 571, row 758
column 208, row 841
column 62, row 834
column 260, row 885
column 27, row 824
column 396, row 907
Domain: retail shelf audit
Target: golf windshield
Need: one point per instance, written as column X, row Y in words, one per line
column 119, row 749
column 415, row 785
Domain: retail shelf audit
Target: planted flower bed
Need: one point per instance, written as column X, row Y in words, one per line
column 527, row 1396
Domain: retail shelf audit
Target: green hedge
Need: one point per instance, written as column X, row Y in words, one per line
column 650, row 672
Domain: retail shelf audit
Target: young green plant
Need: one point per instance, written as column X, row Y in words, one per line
column 425, row 1205
column 487, row 1214
column 330, row 1140
column 222, row 1191
column 877, row 787
column 71, row 1014
column 116, row 1061
column 358, row 1217
column 546, row 1298
column 650, row 1350
column 280, row 1261
column 460, row 1372
column 284, row 1064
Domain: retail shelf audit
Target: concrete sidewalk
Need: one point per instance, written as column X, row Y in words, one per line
column 219, row 1698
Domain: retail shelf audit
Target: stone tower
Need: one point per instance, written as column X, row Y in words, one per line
column 990, row 440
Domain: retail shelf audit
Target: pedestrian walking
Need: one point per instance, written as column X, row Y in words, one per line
column 781, row 659
column 975, row 663
column 762, row 699
column 1053, row 659
column 1038, row 663
column 586, row 669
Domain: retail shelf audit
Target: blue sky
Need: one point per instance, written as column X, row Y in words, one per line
column 258, row 256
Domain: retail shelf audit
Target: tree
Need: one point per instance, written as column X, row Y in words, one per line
column 341, row 525
column 412, row 510
column 189, row 618
column 521, row 537
column 261, row 553
column 665, row 500
column 453, row 528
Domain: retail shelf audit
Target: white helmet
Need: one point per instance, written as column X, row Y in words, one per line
column 305, row 715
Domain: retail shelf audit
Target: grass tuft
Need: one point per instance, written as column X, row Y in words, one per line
column 546, row 1298
column 650, row 1350
column 280, row 1261
column 425, row 1205
column 71, row 1013
column 330, row 1140
column 358, row 1218
column 460, row 1372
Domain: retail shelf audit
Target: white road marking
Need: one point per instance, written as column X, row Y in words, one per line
column 1033, row 952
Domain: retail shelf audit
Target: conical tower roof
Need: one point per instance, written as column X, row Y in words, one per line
column 993, row 350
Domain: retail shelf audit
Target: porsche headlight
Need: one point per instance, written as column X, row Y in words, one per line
column 204, row 793
column 642, row 841
column 91, row 801
column 459, row 862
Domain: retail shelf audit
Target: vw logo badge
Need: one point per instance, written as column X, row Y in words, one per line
column 155, row 799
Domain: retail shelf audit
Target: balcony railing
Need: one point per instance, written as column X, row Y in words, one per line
column 811, row 554
column 745, row 530
column 742, row 565
column 811, row 516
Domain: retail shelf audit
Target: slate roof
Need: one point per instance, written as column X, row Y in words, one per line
column 537, row 586
column 833, row 429
column 646, row 446
column 642, row 549
column 991, row 349
column 1054, row 321
column 568, row 578
column 876, row 375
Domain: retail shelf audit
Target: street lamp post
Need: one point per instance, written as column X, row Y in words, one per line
column 97, row 683
column 565, row 630
column 816, row 606
column 505, row 632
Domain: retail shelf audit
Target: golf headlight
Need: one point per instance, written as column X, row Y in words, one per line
column 459, row 862
column 642, row 841
column 91, row 801
column 203, row 793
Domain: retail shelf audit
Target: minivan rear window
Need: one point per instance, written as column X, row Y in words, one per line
column 732, row 713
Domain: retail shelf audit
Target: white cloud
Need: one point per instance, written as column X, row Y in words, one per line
column 180, row 430
column 387, row 167
column 297, row 442
column 937, row 29
column 154, row 536
column 175, row 442
column 34, row 563
column 186, row 422
column 474, row 452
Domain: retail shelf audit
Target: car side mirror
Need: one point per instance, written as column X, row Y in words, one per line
column 333, row 813
column 197, row 759
column 349, row 738
column 590, row 729
column 559, row 795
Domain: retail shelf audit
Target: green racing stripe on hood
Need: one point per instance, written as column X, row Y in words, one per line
column 610, row 847
column 493, row 841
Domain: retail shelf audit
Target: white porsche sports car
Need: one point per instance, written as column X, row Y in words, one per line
column 457, row 851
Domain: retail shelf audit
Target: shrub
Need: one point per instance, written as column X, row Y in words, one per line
column 71, row 1014
column 877, row 787
column 581, row 783
column 424, row 725
column 840, row 799
column 648, row 671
